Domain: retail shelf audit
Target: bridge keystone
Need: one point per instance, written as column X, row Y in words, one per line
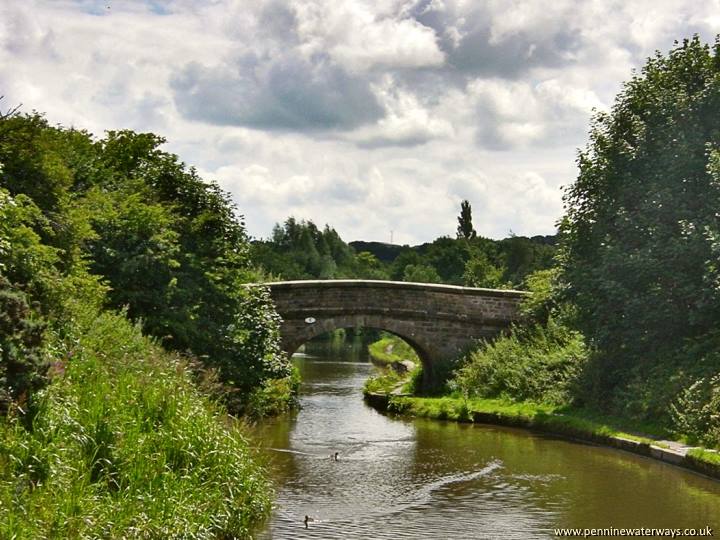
column 438, row 321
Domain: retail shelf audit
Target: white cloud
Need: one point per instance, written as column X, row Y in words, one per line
column 512, row 114
column 406, row 122
column 370, row 115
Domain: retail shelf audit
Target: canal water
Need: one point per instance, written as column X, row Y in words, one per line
column 404, row 478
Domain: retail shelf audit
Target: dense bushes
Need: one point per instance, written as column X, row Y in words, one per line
column 22, row 363
column 541, row 360
column 696, row 412
column 539, row 363
column 122, row 442
column 640, row 238
column 34, row 293
column 124, row 224
column 123, row 445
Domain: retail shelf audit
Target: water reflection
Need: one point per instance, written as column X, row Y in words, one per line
column 400, row 478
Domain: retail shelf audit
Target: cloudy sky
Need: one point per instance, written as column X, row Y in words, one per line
column 370, row 115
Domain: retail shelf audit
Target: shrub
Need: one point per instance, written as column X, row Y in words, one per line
column 696, row 411
column 22, row 361
column 538, row 363
column 274, row 396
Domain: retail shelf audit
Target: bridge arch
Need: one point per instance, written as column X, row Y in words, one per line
column 438, row 321
column 329, row 324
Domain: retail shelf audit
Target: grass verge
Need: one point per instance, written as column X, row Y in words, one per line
column 122, row 444
column 575, row 423
column 390, row 349
column 388, row 381
column 706, row 456
column 384, row 383
column 525, row 414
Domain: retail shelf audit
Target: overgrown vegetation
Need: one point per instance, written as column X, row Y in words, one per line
column 390, row 381
column 100, row 241
column 300, row 250
column 386, row 381
column 641, row 239
column 626, row 324
column 122, row 444
column 538, row 363
column 541, row 359
column 122, row 223
column 389, row 349
column 22, row 363
column 388, row 353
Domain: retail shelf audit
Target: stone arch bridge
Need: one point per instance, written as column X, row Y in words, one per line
column 438, row 321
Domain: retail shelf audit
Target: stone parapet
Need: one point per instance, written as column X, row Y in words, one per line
column 439, row 321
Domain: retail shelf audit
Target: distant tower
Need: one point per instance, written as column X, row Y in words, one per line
column 391, row 236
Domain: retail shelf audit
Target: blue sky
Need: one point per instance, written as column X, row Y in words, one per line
column 370, row 115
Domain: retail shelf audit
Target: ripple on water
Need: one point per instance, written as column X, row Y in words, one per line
column 415, row 479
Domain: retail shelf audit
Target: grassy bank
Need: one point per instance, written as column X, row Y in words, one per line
column 390, row 349
column 387, row 382
column 386, row 353
column 524, row 414
column 640, row 438
column 122, row 444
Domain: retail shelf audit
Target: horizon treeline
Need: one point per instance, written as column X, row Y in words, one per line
column 302, row 250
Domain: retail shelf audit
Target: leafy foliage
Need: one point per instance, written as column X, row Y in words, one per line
column 122, row 443
column 696, row 411
column 480, row 272
column 254, row 336
column 542, row 360
column 540, row 364
column 299, row 250
column 641, row 232
column 22, row 359
column 79, row 214
column 123, row 446
column 421, row 273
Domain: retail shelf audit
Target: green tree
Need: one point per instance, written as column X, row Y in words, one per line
column 300, row 250
column 369, row 266
column 403, row 260
column 465, row 227
column 641, row 229
column 328, row 267
column 307, row 253
column 448, row 256
column 421, row 273
column 480, row 272
column 76, row 214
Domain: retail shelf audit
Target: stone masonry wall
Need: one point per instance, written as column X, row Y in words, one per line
column 439, row 321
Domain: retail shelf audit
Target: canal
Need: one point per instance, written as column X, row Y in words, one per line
column 416, row 478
